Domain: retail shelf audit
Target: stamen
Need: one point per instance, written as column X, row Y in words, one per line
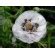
column 25, row 20
column 36, row 25
column 30, row 20
column 23, row 28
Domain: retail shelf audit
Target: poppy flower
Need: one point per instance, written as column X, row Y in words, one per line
column 29, row 27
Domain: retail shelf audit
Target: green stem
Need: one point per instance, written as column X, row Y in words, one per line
column 41, row 44
column 49, row 40
column 43, row 9
column 47, row 10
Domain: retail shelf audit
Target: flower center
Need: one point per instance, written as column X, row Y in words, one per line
column 27, row 26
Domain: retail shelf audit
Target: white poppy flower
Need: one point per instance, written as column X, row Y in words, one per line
column 29, row 27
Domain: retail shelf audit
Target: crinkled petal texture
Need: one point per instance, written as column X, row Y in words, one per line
column 26, row 36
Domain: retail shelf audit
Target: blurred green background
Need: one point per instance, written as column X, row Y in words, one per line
column 8, row 15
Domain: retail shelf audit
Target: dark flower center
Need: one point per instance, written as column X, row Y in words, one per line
column 27, row 26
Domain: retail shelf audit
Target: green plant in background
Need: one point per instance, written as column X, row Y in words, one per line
column 8, row 16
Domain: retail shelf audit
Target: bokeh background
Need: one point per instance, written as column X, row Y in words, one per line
column 8, row 15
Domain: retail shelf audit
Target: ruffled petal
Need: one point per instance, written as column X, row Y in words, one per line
column 26, row 36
